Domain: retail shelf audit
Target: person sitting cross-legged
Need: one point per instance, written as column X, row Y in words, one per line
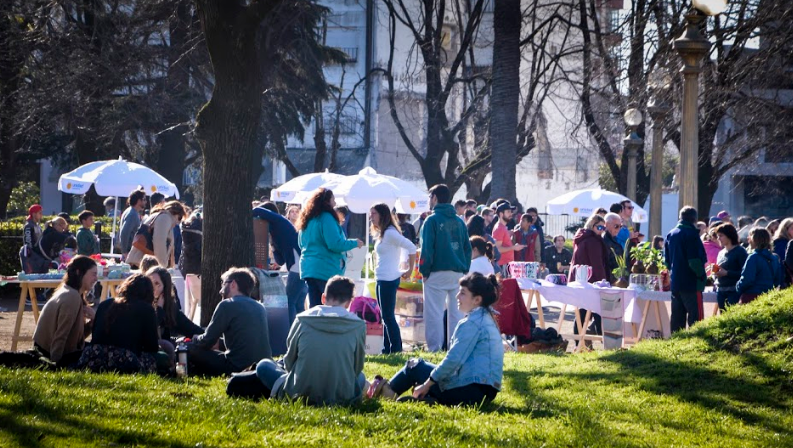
column 471, row 372
column 325, row 355
column 241, row 320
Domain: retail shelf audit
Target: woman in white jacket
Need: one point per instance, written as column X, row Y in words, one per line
column 388, row 246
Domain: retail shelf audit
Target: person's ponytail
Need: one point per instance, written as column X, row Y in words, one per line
column 489, row 251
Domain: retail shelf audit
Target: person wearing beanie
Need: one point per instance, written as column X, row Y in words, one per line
column 30, row 255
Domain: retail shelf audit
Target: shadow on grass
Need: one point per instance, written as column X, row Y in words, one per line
column 33, row 421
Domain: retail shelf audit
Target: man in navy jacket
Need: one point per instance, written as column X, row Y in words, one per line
column 286, row 250
column 685, row 256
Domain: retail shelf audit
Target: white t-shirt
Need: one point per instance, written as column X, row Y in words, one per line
column 388, row 250
column 481, row 265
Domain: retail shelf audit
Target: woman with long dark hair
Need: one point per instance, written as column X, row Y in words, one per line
column 322, row 243
column 472, row 370
column 389, row 244
column 728, row 265
column 125, row 334
column 762, row 271
column 171, row 322
column 67, row 318
column 477, row 227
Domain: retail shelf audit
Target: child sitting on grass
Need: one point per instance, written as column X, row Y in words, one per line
column 472, row 370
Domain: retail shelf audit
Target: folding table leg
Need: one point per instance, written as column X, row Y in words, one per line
column 34, row 303
column 539, row 309
column 18, row 326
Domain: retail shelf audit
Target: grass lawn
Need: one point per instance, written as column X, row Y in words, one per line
column 727, row 383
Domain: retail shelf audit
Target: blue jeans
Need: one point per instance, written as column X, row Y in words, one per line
column 296, row 290
column 386, row 297
column 269, row 371
column 417, row 371
column 316, row 288
column 727, row 298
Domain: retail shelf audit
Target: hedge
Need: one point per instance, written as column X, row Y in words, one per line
column 11, row 240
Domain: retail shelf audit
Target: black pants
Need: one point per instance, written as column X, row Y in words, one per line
column 207, row 362
column 417, row 371
column 316, row 288
column 67, row 360
column 596, row 321
column 687, row 308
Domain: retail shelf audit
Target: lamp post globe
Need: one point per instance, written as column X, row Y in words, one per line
column 710, row 7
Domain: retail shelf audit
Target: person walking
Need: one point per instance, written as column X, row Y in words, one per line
column 388, row 246
column 322, row 243
column 445, row 258
column 729, row 265
column 685, row 256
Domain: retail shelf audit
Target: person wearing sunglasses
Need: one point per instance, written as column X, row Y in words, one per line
column 590, row 249
column 628, row 230
column 613, row 228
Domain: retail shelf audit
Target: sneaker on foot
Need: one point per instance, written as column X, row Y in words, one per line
column 380, row 387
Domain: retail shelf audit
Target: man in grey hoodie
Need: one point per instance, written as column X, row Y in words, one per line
column 325, row 354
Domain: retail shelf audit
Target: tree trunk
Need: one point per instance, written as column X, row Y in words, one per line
column 227, row 131
column 319, row 139
column 505, row 95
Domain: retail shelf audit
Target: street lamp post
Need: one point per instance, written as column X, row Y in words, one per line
column 693, row 46
column 658, row 109
column 632, row 142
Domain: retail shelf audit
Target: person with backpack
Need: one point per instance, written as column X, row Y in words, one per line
column 325, row 355
column 388, row 246
column 762, row 271
column 155, row 235
column 472, row 370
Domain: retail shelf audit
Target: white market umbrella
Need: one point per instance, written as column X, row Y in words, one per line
column 365, row 189
column 585, row 202
column 115, row 178
column 302, row 184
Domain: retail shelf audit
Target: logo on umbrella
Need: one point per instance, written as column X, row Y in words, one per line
column 69, row 186
column 153, row 188
column 412, row 204
column 575, row 210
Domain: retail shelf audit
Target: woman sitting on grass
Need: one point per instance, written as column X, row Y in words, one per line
column 171, row 321
column 125, row 333
column 66, row 319
column 471, row 372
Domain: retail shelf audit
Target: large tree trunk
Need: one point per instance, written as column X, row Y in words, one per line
column 505, row 95
column 226, row 129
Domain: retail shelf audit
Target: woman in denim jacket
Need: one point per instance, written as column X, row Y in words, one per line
column 472, row 370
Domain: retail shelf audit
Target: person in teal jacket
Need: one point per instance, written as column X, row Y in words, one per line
column 322, row 243
column 445, row 258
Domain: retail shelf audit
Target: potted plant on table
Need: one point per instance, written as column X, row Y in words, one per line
column 640, row 254
column 654, row 262
column 621, row 271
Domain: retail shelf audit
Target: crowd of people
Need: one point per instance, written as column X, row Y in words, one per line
column 465, row 249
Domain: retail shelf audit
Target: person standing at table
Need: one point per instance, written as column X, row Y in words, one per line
column 389, row 244
column 322, row 243
column 685, row 256
column 30, row 256
column 503, row 236
column 87, row 242
column 729, row 265
column 286, row 250
column 445, row 258
column 557, row 256
column 130, row 221
column 66, row 320
column 162, row 220
column 615, row 250
column 589, row 249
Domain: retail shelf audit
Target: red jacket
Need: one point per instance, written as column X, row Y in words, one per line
column 589, row 249
column 513, row 318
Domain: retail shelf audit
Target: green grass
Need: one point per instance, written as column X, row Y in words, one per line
column 726, row 383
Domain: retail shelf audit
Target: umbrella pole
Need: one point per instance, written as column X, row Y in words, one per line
column 366, row 244
column 113, row 233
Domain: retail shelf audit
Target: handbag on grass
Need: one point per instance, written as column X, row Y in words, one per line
column 143, row 240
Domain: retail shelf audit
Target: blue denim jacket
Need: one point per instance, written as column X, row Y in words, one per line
column 476, row 355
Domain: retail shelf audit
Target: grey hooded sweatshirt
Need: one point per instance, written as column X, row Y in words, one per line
column 324, row 356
